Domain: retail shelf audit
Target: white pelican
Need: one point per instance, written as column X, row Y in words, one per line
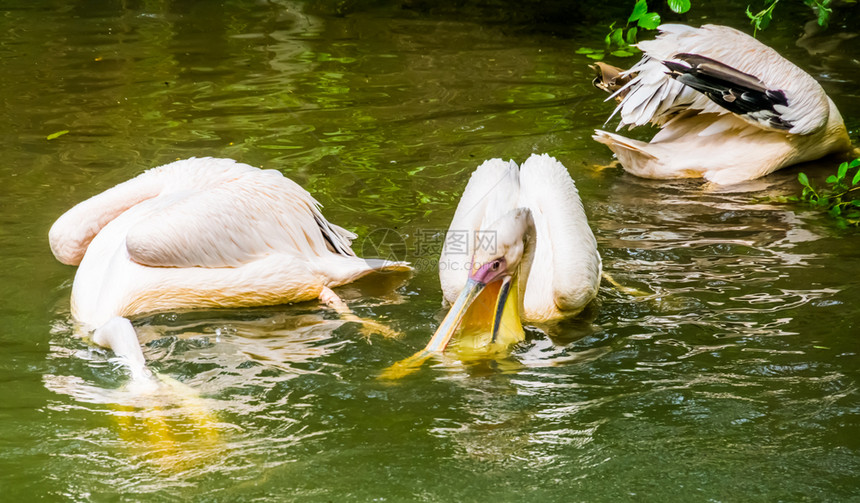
column 731, row 109
column 519, row 248
column 200, row 233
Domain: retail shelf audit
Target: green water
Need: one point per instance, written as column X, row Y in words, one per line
column 735, row 379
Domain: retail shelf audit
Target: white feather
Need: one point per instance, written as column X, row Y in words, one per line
column 201, row 233
column 700, row 138
column 565, row 274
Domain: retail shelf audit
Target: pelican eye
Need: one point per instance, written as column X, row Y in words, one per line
column 496, row 265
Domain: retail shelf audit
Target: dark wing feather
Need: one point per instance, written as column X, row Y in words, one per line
column 736, row 91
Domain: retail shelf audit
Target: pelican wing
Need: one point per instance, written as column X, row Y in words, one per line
column 737, row 92
column 257, row 213
column 717, row 69
column 565, row 272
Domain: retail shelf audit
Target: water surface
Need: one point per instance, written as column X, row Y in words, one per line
column 734, row 378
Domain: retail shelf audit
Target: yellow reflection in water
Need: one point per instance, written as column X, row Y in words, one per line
column 171, row 426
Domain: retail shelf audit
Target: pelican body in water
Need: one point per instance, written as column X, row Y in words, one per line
column 200, row 232
column 730, row 108
column 519, row 248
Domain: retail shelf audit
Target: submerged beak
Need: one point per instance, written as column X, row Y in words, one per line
column 455, row 315
column 480, row 308
column 502, row 303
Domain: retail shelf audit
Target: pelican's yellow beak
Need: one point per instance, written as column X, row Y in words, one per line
column 457, row 314
column 487, row 316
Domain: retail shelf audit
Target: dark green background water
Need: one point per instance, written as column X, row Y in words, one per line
column 735, row 380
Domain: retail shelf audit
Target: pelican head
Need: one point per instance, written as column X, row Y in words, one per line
column 491, row 301
column 532, row 257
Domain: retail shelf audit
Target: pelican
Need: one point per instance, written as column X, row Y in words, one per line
column 200, row 232
column 730, row 108
column 519, row 248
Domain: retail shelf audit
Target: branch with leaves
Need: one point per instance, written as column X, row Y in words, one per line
column 621, row 42
column 762, row 18
column 836, row 197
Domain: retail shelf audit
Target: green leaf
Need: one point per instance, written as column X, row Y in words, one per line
column 621, row 53
column 631, row 35
column 856, row 179
column 803, row 179
column 649, row 20
column 585, row 50
column 639, row 10
column 823, row 17
column 821, row 9
column 596, row 56
column 679, row 6
column 832, row 179
column 842, row 171
column 764, row 21
column 57, row 134
column 617, row 36
column 854, row 163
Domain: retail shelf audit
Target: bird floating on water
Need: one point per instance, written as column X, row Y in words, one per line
column 201, row 232
column 730, row 108
column 518, row 248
